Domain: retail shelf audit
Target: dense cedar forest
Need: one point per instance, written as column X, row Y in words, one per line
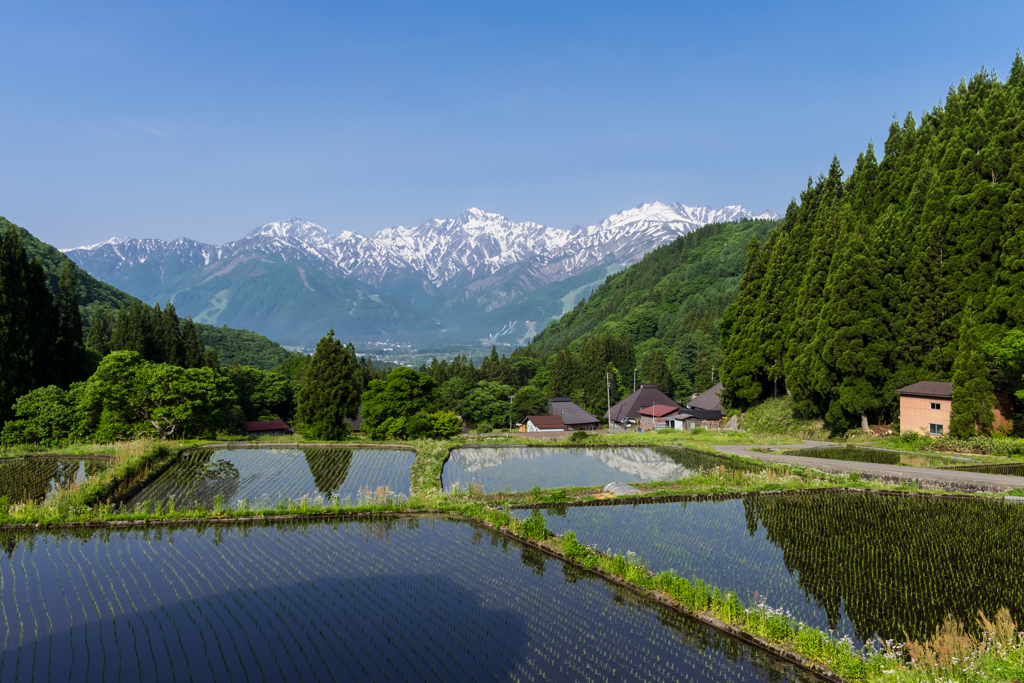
column 908, row 269
column 661, row 316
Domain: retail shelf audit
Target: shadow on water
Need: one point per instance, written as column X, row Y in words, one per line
column 861, row 564
column 410, row 599
column 328, row 467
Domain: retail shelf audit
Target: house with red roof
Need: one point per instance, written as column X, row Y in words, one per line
column 267, row 428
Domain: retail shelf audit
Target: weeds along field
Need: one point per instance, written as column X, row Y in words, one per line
column 269, row 477
column 412, row 599
column 521, row 468
column 862, row 564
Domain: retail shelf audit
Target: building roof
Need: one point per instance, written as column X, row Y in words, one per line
column 546, row 421
column 709, row 400
column 570, row 413
column 928, row 390
column 644, row 397
column 266, row 426
column 699, row 414
column 658, row 410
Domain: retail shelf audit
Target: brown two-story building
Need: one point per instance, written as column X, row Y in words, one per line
column 925, row 408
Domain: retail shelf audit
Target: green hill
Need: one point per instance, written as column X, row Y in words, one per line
column 232, row 345
column 671, row 301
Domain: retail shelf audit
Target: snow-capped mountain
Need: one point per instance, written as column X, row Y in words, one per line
column 476, row 262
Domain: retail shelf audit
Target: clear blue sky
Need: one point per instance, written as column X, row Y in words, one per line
column 207, row 119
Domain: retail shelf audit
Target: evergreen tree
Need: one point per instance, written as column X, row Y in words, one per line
column 973, row 395
column 744, row 373
column 70, row 348
column 562, row 379
column 101, row 331
column 654, row 370
column 328, row 393
column 168, row 336
column 192, row 346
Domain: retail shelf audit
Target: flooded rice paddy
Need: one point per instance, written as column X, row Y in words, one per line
column 878, row 457
column 1013, row 469
column 409, row 599
column 35, row 478
column 266, row 476
column 862, row 564
column 511, row 468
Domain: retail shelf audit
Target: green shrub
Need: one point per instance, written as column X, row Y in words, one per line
column 534, row 526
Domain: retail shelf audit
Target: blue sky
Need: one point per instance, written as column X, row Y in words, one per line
column 208, row 119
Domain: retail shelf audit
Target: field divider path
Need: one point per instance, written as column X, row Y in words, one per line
column 959, row 480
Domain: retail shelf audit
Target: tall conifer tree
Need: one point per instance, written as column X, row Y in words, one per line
column 973, row 395
column 328, row 393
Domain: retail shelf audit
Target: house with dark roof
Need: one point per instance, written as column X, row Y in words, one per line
column 627, row 411
column 691, row 418
column 709, row 400
column 925, row 408
column 574, row 417
column 267, row 428
column 544, row 423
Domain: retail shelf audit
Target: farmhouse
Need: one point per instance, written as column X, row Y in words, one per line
column 267, row 428
column 653, row 417
column 627, row 411
column 709, row 400
column 925, row 408
column 544, row 423
column 572, row 415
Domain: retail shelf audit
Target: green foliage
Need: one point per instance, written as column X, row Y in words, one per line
column 48, row 416
column 262, row 395
column 328, row 393
column 673, row 300
column 534, row 526
column 388, row 404
column 134, row 397
column 871, row 283
column 973, row 397
column 242, row 347
column 782, row 416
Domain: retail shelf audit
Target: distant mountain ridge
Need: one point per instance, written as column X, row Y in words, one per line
column 288, row 279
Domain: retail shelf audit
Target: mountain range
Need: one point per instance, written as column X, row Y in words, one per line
column 464, row 278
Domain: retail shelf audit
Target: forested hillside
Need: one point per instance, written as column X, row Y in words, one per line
column 232, row 346
column 907, row 270
column 661, row 315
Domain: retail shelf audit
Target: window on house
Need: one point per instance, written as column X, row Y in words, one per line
column 936, row 406
column 935, row 430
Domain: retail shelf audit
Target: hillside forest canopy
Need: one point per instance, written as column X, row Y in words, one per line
column 911, row 268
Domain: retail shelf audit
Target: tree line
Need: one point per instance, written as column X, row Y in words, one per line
column 909, row 269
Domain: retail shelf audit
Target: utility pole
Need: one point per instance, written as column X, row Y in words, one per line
column 510, row 411
column 634, row 380
column 712, row 375
column 608, row 386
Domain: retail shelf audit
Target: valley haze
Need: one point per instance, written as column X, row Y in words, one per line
column 464, row 280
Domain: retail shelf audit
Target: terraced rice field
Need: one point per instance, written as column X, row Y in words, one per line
column 1013, row 469
column 512, row 468
column 878, row 457
column 862, row 564
column 35, row 478
column 266, row 476
column 412, row 599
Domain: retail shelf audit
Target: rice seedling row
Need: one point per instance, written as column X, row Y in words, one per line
column 265, row 477
column 1013, row 469
column 863, row 565
column 416, row 598
column 878, row 457
column 34, row 479
column 523, row 468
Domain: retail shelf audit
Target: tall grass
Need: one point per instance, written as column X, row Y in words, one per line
column 780, row 416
